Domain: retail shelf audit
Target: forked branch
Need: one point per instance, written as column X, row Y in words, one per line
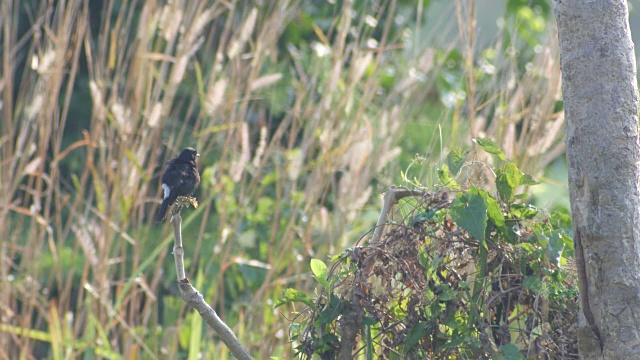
column 351, row 322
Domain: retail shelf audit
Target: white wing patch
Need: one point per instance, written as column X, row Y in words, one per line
column 166, row 190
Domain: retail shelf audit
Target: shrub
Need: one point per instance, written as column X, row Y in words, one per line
column 463, row 273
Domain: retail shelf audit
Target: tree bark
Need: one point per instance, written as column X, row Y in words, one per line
column 603, row 151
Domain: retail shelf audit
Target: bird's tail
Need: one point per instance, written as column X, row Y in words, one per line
column 162, row 213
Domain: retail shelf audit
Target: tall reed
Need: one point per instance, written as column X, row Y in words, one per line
column 295, row 140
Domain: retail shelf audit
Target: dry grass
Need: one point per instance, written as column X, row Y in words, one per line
column 159, row 76
column 82, row 266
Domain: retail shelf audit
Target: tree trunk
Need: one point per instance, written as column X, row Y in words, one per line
column 603, row 150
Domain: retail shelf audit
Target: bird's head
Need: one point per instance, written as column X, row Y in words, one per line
column 188, row 154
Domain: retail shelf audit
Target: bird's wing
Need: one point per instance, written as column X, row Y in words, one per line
column 177, row 175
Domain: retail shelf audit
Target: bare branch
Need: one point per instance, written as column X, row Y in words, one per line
column 393, row 195
column 194, row 299
column 351, row 321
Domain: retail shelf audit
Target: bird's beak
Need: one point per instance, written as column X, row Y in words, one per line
column 197, row 155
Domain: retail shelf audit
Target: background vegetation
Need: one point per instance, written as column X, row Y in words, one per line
column 304, row 112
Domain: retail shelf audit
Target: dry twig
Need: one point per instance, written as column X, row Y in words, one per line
column 193, row 297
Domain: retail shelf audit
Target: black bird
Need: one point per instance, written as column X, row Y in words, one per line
column 180, row 178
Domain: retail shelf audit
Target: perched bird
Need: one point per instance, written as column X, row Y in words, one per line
column 180, row 178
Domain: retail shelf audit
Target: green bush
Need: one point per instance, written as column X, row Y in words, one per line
column 462, row 273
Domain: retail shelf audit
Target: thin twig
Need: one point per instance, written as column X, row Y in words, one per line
column 194, row 299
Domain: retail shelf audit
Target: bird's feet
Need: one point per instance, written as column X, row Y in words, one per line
column 181, row 202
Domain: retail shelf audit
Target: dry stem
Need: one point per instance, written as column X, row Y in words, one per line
column 351, row 322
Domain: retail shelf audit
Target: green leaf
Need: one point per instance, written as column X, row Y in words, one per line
column 368, row 321
column 526, row 247
column 533, row 283
column 561, row 219
column 430, row 266
column 513, row 174
column 469, row 211
column 294, row 330
column 329, row 338
column 447, row 293
column 536, row 331
column 524, row 211
column 528, row 180
column 507, row 181
column 541, row 239
column 512, row 233
column 423, row 257
column 509, row 352
column 423, row 216
column 292, row 295
column 490, row 146
column 331, row 312
column 454, row 342
column 493, row 208
column 568, row 241
column 445, row 178
column 414, row 335
column 455, row 159
column 555, row 247
column 319, row 269
column 345, row 254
